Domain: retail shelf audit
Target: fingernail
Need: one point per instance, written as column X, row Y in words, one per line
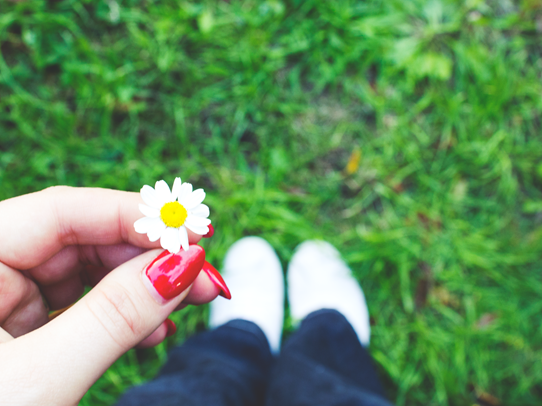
column 211, row 232
column 217, row 280
column 170, row 274
column 171, row 328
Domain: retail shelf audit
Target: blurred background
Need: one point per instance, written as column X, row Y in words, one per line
column 407, row 133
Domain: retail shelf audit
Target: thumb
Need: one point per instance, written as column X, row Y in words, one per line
column 71, row 352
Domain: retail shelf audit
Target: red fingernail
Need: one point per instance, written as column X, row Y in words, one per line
column 171, row 328
column 217, row 279
column 211, row 232
column 170, row 274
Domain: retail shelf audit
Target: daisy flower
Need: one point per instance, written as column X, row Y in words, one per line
column 168, row 213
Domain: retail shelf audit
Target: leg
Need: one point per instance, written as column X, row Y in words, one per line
column 226, row 366
column 325, row 361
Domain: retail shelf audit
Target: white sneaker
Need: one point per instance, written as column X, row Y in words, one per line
column 319, row 279
column 254, row 275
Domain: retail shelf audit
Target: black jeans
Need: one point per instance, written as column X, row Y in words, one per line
column 322, row 363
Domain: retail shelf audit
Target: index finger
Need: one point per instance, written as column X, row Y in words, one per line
column 38, row 225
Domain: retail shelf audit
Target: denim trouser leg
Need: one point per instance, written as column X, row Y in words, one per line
column 322, row 363
column 228, row 366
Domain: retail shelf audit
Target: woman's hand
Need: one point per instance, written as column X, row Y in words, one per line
column 52, row 243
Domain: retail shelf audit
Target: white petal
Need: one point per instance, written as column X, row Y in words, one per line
column 150, row 197
column 163, row 192
column 201, row 211
column 186, row 190
column 183, row 235
column 149, row 211
column 170, row 240
column 143, row 225
column 156, row 230
column 176, row 188
column 196, row 221
column 198, row 230
column 194, row 199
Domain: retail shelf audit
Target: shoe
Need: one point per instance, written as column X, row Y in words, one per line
column 319, row 279
column 254, row 275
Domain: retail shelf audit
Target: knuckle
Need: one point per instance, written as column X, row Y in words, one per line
column 21, row 306
column 117, row 311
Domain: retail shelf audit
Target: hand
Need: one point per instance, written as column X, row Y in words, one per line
column 52, row 243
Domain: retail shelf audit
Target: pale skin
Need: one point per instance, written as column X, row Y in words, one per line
column 52, row 243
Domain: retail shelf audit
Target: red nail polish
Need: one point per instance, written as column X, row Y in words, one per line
column 170, row 274
column 217, row 279
column 171, row 328
column 211, row 232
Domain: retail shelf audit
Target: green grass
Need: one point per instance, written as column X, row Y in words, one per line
column 262, row 103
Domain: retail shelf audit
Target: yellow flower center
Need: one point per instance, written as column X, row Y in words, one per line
column 173, row 214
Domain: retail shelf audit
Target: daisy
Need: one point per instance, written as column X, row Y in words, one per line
column 170, row 212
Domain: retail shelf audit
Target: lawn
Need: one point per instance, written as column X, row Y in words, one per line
column 407, row 133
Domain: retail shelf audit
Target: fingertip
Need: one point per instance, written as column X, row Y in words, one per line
column 193, row 238
column 171, row 327
column 203, row 291
column 211, row 232
column 156, row 337
column 217, row 280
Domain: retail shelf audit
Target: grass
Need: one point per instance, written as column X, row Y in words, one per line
column 406, row 133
